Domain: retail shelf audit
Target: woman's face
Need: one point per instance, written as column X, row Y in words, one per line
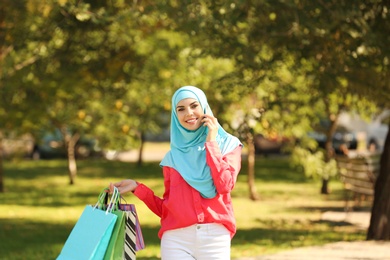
column 190, row 113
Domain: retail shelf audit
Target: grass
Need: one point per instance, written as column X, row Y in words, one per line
column 39, row 208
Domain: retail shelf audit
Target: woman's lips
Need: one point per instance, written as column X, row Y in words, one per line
column 191, row 121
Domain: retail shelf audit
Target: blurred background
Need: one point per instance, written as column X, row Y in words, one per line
column 94, row 78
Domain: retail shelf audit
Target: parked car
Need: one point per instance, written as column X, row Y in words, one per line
column 16, row 146
column 372, row 132
column 341, row 137
column 52, row 145
column 265, row 145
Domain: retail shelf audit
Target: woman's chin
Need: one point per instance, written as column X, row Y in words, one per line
column 192, row 127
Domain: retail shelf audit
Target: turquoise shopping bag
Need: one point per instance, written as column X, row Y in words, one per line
column 91, row 235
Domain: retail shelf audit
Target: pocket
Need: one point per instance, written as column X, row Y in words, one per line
column 218, row 229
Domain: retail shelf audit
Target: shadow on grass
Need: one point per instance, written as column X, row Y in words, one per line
column 275, row 169
column 268, row 169
column 291, row 234
column 46, row 182
column 86, row 168
column 40, row 240
column 334, row 217
column 335, row 209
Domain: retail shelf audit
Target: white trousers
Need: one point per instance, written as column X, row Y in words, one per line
column 200, row 242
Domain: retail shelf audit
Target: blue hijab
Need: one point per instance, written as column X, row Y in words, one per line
column 188, row 154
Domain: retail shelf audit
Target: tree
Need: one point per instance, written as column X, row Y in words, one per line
column 355, row 36
column 372, row 80
column 98, row 68
column 17, row 51
column 44, row 68
column 263, row 65
column 319, row 34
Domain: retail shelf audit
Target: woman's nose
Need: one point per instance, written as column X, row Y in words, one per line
column 189, row 111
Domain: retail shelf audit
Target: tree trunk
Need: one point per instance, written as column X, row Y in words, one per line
column 324, row 186
column 379, row 228
column 251, row 167
column 71, row 141
column 141, row 150
column 1, row 168
column 329, row 151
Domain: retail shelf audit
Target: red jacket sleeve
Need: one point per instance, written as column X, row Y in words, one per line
column 153, row 202
column 224, row 168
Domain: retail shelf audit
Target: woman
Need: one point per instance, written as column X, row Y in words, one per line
column 200, row 171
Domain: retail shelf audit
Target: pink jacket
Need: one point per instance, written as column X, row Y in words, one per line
column 182, row 205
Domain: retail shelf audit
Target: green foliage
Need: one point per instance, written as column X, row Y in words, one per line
column 77, row 57
column 313, row 164
column 109, row 68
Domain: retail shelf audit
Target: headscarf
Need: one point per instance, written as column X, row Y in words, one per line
column 188, row 154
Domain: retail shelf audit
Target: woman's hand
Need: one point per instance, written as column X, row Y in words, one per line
column 124, row 186
column 212, row 123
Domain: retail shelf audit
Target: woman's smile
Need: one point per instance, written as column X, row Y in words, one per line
column 192, row 121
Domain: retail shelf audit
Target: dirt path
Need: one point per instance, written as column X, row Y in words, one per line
column 363, row 250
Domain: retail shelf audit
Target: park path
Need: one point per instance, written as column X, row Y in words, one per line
column 150, row 154
column 358, row 250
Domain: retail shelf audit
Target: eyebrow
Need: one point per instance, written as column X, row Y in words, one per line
column 190, row 104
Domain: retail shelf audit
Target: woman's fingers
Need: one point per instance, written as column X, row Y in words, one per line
column 209, row 121
column 212, row 123
column 110, row 188
column 117, row 185
column 123, row 186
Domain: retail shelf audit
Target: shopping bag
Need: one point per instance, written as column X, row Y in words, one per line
column 133, row 238
column 133, row 234
column 115, row 247
column 91, row 234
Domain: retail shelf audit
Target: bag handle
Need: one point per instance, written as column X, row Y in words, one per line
column 103, row 198
column 100, row 203
column 113, row 201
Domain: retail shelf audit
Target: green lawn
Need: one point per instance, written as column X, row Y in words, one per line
column 39, row 208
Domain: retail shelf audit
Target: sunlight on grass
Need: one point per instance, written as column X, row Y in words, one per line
column 40, row 208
